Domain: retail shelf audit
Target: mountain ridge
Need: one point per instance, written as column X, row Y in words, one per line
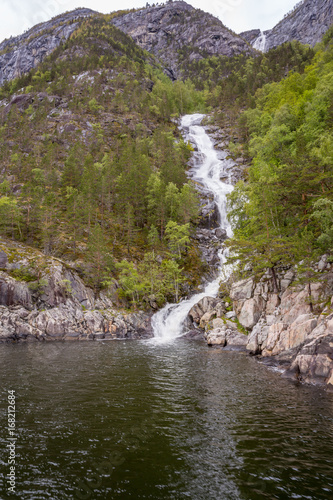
column 21, row 53
column 307, row 22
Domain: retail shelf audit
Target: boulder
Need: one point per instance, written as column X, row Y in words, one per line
column 199, row 312
column 242, row 290
column 206, row 318
column 217, row 337
column 227, row 336
column 251, row 311
column 314, row 362
column 218, row 323
column 193, row 335
column 220, row 233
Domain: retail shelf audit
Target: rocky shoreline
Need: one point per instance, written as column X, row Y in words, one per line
column 43, row 299
column 291, row 328
column 276, row 319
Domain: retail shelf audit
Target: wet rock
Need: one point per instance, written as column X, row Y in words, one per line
column 209, row 216
column 306, row 23
column 251, row 35
column 209, row 306
column 220, row 233
column 194, row 335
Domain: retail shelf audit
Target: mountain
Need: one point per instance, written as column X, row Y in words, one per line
column 307, row 23
column 177, row 33
column 20, row 54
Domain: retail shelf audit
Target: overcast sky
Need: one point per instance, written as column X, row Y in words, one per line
column 18, row 15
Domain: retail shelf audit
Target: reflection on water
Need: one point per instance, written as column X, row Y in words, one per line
column 136, row 420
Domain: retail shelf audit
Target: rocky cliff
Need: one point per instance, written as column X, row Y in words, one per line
column 289, row 324
column 20, row 54
column 307, row 23
column 43, row 299
column 177, row 33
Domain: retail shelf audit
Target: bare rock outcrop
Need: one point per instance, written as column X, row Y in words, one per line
column 42, row 298
column 289, row 321
column 307, row 23
column 177, row 30
column 18, row 55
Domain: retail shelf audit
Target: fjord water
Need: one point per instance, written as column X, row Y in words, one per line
column 207, row 170
column 123, row 420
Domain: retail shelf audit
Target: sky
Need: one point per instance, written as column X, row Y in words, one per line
column 16, row 16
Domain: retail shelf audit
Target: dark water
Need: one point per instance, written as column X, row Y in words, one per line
column 130, row 420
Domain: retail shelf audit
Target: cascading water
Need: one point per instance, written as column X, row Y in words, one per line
column 260, row 42
column 168, row 323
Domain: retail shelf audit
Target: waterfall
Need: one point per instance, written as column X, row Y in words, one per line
column 260, row 42
column 168, row 323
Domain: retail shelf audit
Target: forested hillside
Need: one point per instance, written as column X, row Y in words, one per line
column 94, row 170
column 283, row 211
column 93, row 167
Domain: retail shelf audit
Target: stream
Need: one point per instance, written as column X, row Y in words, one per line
column 207, row 170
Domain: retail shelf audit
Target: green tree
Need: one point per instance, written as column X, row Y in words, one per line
column 178, row 237
column 10, row 216
column 100, row 260
column 173, row 278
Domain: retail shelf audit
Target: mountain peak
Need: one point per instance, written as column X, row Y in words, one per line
column 176, row 31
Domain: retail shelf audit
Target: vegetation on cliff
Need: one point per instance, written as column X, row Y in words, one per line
column 94, row 167
column 283, row 213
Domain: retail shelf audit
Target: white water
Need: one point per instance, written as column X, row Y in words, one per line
column 168, row 323
column 260, row 42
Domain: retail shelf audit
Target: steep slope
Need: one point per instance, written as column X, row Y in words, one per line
column 91, row 161
column 20, row 54
column 177, row 34
column 307, row 23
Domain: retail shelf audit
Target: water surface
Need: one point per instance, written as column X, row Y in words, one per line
column 122, row 420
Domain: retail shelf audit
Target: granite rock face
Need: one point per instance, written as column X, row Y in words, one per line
column 251, row 35
column 307, row 23
column 290, row 323
column 18, row 55
column 177, row 30
column 42, row 298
